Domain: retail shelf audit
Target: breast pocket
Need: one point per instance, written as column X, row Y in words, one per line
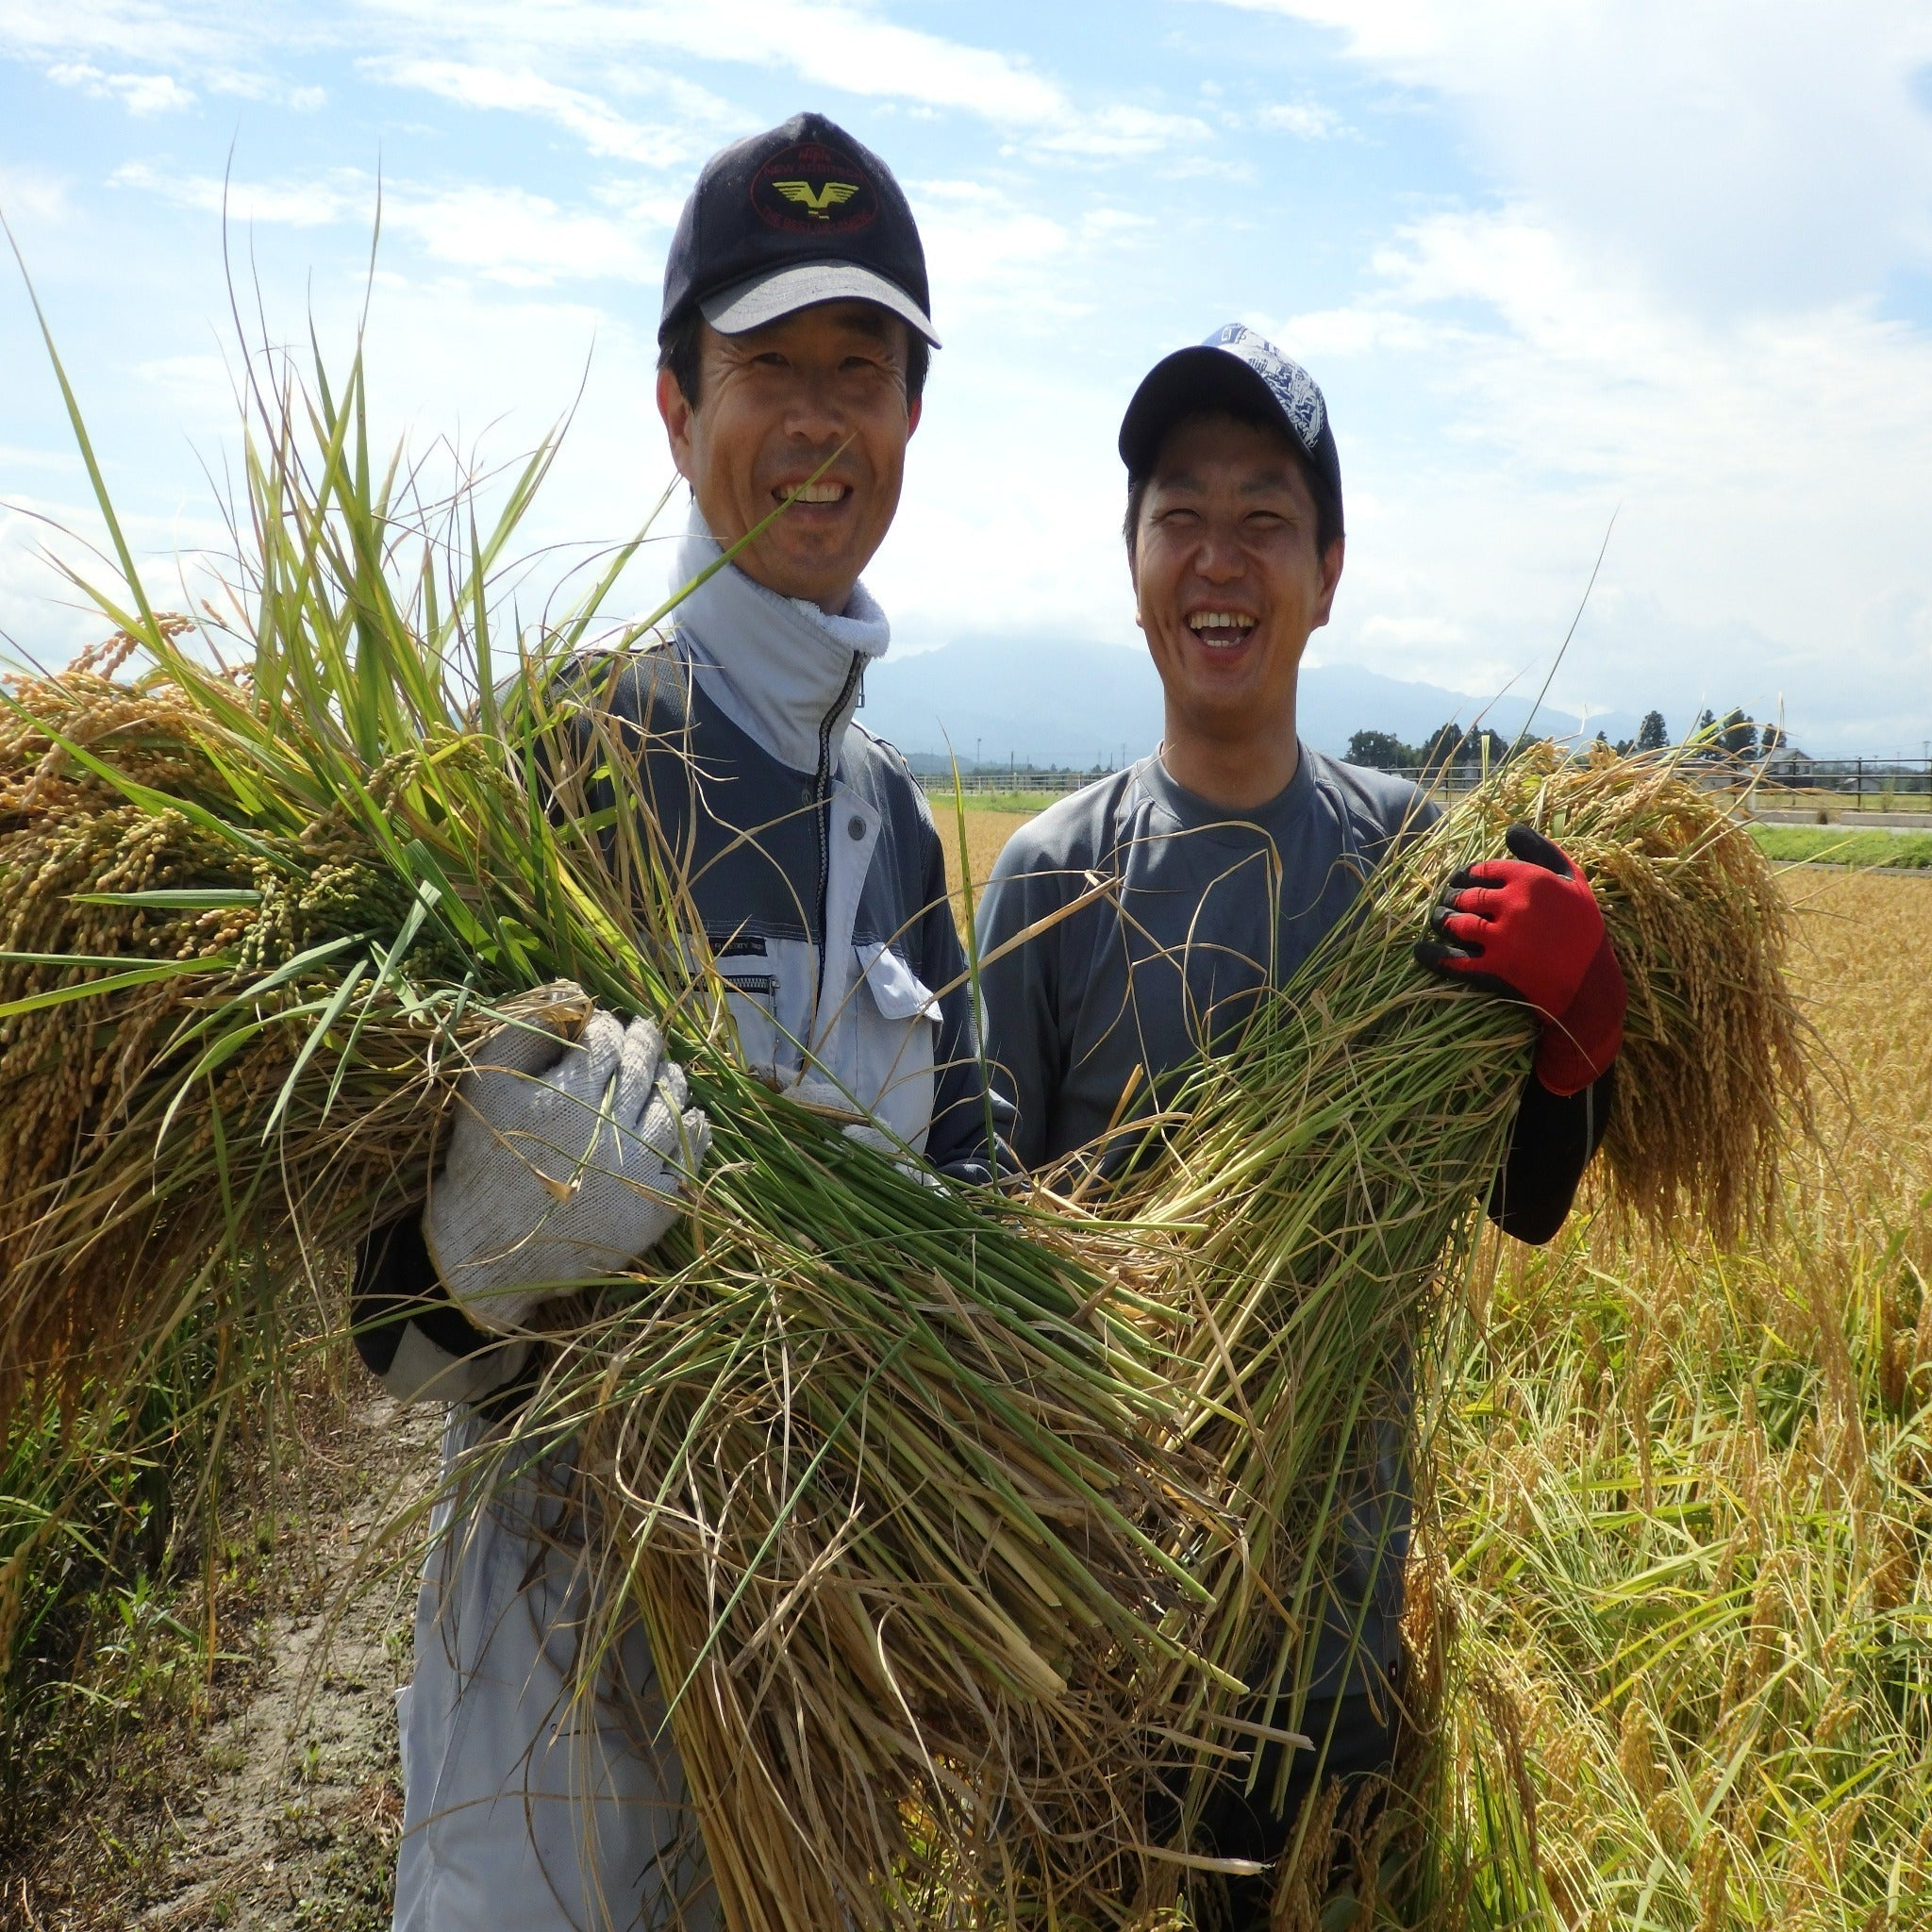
column 895, row 1019
column 750, row 993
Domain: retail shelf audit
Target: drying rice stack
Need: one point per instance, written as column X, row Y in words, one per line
column 952, row 1521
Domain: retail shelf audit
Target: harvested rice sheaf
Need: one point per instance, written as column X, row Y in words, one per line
column 954, row 1521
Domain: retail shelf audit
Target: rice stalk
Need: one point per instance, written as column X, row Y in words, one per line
column 956, row 1522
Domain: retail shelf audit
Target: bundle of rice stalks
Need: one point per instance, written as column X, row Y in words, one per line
column 891, row 1497
column 1325, row 1178
column 953, row 1523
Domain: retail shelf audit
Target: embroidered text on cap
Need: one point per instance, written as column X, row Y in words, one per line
column 813, row 189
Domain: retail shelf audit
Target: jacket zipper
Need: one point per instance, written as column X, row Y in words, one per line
column 822, row 791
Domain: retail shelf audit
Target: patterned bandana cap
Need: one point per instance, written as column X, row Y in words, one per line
column 1295, row 389
column 1237, row 370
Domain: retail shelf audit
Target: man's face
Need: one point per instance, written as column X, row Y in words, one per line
column 1227, row 577
column 773, row 404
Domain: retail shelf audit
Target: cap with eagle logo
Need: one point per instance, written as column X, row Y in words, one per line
column 799, row 214
column 1243, row 373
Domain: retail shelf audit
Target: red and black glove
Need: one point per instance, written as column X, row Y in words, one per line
column 1528, row 927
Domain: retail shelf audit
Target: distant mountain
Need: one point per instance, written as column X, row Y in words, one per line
column 1054, row 703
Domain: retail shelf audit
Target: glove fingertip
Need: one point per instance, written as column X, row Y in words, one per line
column 672, row 1084
column 639, row 1059
column 602, row 1044
column 1533, row 848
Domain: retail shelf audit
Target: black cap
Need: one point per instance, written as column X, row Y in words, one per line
column 799, row 214
column 1234, row 368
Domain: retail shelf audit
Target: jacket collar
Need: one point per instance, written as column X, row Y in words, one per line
column 777, row 667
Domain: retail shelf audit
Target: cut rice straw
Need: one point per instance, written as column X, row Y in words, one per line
column 946, row 1521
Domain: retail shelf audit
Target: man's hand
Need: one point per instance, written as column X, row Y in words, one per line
column 566, row 1163
column 1528, row 927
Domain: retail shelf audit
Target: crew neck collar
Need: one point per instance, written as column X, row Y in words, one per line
column 1198, row 815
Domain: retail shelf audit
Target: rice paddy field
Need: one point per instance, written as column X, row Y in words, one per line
column 1860, row 846
column 1683, row 1520
column 1681, row 1531
column 1686, row 1504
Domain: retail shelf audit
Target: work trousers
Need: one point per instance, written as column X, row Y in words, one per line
column 531, row 1799
column 1360, row 1733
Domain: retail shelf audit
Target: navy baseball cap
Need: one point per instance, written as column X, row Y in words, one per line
column 799, row 214
column 1236, row 370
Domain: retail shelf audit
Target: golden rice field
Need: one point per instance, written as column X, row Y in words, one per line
column 1686, row 1503
column 1683, row 1517
column 1682, row 1528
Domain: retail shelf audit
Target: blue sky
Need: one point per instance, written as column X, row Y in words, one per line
column 1550, row 262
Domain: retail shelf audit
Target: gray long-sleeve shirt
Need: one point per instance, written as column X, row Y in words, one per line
column 1211, row 905
column 1208, row 908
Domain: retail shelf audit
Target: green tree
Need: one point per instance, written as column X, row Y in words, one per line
column 1458, row 745
column 1771, row 739
column 1654, row 734
column 1381, row 749
column 1737, row 737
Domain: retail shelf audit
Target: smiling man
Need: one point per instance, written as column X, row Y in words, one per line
column 1230, row 853
column 793, row 346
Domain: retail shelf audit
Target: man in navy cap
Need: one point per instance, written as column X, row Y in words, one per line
column 1232, row 850
column 542, row 1792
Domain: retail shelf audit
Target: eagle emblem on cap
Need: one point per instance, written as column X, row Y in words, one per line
column 818, row 202
column 1295, row 389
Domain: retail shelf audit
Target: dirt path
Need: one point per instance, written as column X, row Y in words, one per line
column 297, row 1821
column 287, row 1806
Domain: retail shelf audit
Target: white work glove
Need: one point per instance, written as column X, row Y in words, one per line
column 566, row 1163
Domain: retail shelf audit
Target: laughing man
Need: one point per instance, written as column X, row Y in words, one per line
column 793, row 347
column 1232, row 850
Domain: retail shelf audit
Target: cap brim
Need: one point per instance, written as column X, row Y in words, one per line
column 1190, row 380
column 762, row 298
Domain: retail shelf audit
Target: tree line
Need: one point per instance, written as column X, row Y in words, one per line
column 1736, row 735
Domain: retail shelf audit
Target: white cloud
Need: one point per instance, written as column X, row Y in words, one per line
column 35, row 194
column 504, row 233
column 344, row 194
column 525, row 239
column 1123, row 132
column 1745, row 154
column 170, row 37
column 1305, row 120
column 987, row 253
column 536, row 60
column 157, row 56
column 1500, row 393
column 599, row 126
column 139, row 94
column 850, row 47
